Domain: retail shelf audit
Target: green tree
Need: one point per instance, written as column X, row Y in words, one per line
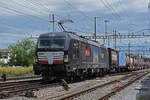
column 2, row 63
column 22, row 53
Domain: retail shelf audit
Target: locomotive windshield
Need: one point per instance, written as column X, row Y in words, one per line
column 52, row 42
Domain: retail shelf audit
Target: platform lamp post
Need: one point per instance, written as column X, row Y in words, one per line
column 106, row 21
column 95, row 23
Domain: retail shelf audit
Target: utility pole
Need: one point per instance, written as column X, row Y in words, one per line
column 129, row 51
column 108, row 41
column 95, row 28
column 115, row 39
column 106, row 21
column 149, row 11
column 53, row 21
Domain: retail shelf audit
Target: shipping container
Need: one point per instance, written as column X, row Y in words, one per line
column 130, row 59
column 121, row 59
column 130, row 62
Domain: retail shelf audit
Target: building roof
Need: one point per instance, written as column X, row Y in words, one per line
column 4, row 50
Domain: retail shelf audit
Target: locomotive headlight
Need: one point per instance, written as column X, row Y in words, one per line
column 66, row 58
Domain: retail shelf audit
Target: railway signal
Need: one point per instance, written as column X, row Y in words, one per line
column 4, row 77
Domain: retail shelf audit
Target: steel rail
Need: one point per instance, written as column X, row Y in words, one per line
column 107, row 96
column 75, row 93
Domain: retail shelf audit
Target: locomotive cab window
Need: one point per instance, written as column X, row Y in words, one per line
column 52, row 42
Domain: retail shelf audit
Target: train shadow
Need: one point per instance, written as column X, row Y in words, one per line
column 144, row 90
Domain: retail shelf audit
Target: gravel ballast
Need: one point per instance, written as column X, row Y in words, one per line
column 129, row 93
column 58, row 89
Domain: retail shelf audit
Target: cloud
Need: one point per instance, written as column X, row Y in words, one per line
column 132, row 6
column 12, row 35
column 28, row 7
column 82, row 12
column 7, row 39
column 41, row 7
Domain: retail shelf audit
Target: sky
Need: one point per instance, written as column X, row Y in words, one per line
column 20, row 19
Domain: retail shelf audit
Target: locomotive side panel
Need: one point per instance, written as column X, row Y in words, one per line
column 95, row 55
column 73, row 55
column 104, row 57
column 85, row 55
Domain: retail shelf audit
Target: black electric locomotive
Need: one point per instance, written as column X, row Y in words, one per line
column 67, row 55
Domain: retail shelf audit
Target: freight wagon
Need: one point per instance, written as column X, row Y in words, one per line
column 122, row 62
column 130, row 62
column 113, row 59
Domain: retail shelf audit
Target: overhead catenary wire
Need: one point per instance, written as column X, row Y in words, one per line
column 75, row 29
column 39, row 5
column 3, row 20
column 31, row 7
column 22, row 13
column 113, row 12
column 121, row 7
column 85, row 28
column 45, row 7
column 113, row 9
column 17, row 29
column 81, row 12
column 21, row 31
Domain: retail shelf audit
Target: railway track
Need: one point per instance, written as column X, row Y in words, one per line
column 10, row 89
column 19, row 81
column 17, row 88
column 22, row 85
column 11, row 85
column 87, row 88
column 107, row 96
column 80, row 90
column 20, row 78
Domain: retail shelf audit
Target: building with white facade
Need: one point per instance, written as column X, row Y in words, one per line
column 4, row 55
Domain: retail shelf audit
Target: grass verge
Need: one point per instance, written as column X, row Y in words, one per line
column 15, row 72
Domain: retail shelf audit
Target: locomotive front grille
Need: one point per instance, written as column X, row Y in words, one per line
column 51, row 57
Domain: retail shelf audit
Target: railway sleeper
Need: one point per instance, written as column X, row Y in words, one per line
column 30, row 94
column 4, row 94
